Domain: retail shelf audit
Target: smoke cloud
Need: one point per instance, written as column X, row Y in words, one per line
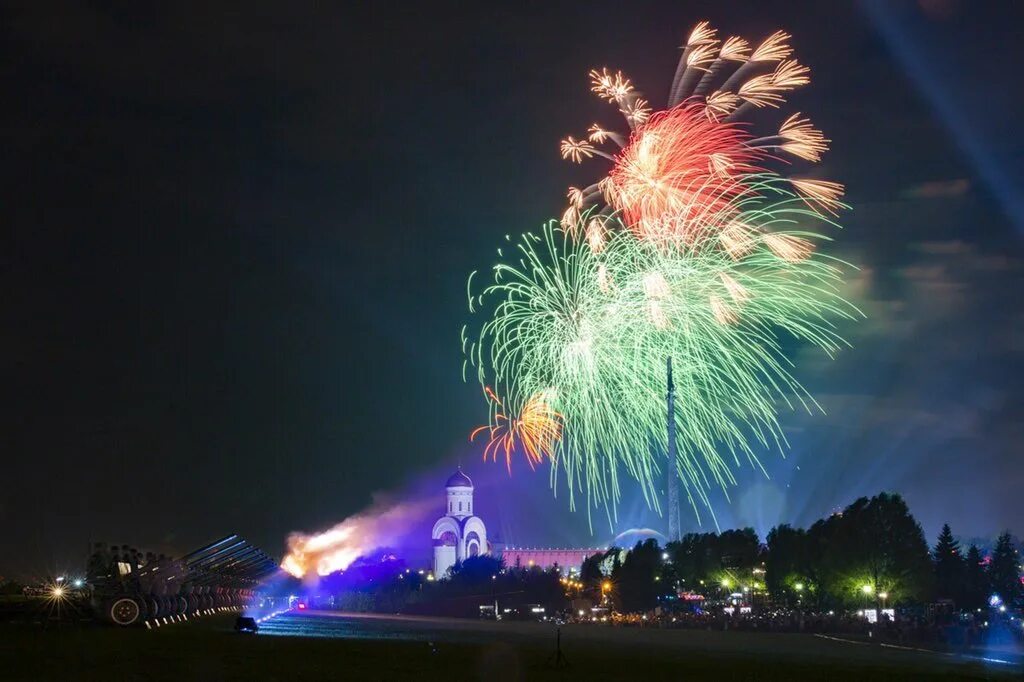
column 383, row 524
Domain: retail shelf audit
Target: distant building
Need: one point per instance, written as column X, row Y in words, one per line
column 458, row 534
column 569, row 560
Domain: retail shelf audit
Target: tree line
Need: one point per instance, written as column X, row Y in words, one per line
column 873, row 553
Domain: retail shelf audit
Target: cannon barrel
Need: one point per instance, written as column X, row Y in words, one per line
column 222, row 574
column 211, row 546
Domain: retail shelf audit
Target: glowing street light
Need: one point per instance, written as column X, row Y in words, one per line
column 867, row 589
column 799, row 587
column 606, row 587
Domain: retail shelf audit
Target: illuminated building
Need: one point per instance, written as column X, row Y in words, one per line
column 569, row 560
column 458, row 534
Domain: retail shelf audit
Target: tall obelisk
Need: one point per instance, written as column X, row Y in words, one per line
column 670, row 468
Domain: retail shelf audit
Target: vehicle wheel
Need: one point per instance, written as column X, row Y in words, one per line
column 124, row 611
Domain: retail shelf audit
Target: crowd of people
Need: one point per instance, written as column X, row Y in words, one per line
column 931, row 628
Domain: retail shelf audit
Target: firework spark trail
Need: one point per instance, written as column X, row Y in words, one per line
column 691, row 248
column 536, row 430
column 725, row 322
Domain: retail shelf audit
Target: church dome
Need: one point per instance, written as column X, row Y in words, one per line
column 459, row 480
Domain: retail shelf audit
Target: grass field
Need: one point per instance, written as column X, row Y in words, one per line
column 442, row 649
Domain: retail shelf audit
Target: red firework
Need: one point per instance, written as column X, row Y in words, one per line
column 680, row 174
column 683, row 173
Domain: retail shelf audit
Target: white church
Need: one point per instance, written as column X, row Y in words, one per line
column 458, row 534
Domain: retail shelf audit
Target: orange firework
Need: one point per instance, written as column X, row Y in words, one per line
column 537, row 428
column 679, row 173
column 685, row 172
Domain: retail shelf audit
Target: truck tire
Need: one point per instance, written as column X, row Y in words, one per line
column 124, row 611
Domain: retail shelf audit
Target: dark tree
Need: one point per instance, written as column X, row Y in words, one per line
column 949, row 567
column 976, row 588
column 696, row 558
column 476, row 570
column 592, row 575
column 8, row 587
column 874, row 543
column 738, row 551
column 1004, row 570
column 635, row 582
column 787, row 565
column 590, row 570
column 829, row 554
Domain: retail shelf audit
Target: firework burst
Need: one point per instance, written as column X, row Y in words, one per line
column 677, row 177
column 691, row 247
column 682, row 170
column 536, row 430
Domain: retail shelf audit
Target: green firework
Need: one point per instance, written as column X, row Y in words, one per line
column 592, row 328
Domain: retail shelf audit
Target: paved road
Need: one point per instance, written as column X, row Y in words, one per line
column 583, row 639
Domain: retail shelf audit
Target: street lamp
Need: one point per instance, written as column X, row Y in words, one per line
column 799, row 587
column 867, row 590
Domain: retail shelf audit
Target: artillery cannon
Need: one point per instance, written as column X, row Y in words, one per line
column 130, row 588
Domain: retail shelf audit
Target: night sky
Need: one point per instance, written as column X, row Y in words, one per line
column 237, row 240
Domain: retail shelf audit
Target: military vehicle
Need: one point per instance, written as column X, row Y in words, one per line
column 127, row 587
